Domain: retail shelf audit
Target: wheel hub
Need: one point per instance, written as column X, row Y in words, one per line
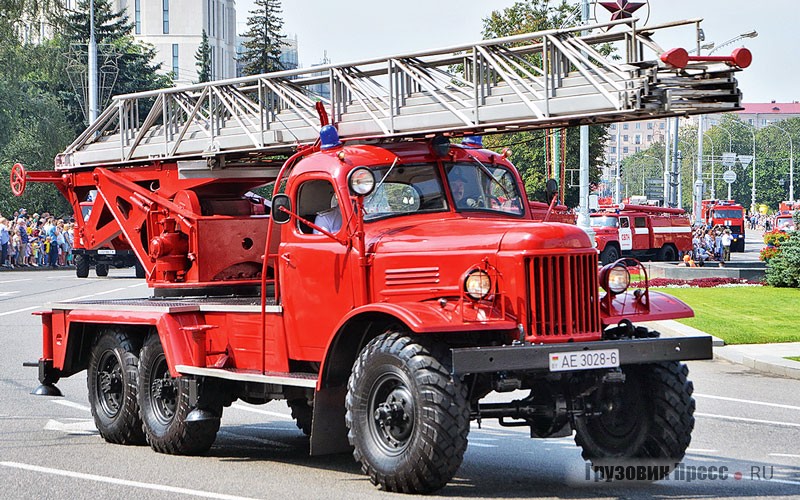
column 394, row 416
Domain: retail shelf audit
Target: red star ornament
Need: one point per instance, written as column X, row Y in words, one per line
column 622, row 9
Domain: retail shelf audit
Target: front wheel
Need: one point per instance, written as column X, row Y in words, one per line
column 646, row 420
column 81, row 266
column 407, row 416
column 164, row 403
column 112, row 381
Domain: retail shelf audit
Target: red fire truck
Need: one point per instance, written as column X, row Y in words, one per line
column 397, row 278
column 641, row 231
column 727, row 214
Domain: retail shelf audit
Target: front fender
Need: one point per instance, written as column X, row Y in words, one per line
column 427, row 317
column 628, row 305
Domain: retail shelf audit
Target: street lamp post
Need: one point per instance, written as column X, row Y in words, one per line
column 713, row 181
column 791, row 163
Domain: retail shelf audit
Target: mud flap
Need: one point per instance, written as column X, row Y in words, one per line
column 328, row 429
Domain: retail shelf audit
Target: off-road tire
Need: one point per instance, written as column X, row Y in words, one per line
column 164, row 403
column 302, row 413
column 81, row 266
column 421, row 454
column 651, row 424
column 609, row 254
column 112, row 380
column 101, row 269
column 667, row 253
column 139, row 269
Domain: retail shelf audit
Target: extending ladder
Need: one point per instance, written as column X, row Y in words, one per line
column 537, row 80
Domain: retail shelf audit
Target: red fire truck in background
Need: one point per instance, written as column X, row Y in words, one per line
column 727, row 214
column 397, row 280
column 641, row 231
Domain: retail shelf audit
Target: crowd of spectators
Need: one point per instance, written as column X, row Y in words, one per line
column 35, row 240
column 710, row 245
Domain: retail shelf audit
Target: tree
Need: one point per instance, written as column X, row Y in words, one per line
column 263, row 39
column 527, row 148
column 203, row 60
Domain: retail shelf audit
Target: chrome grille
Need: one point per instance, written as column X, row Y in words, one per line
column 563, row 298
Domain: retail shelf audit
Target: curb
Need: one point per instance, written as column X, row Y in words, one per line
column 772, row 365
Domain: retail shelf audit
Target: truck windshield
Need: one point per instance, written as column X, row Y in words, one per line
column 485, row 188
column 405, row 189
column 728, row 214
column 603, row 221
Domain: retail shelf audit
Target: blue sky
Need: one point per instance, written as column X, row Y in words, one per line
column 352, row 30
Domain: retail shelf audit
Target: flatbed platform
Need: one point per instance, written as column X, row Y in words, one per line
column 172, row 305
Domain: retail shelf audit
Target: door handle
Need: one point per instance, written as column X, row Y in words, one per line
column 287, row 257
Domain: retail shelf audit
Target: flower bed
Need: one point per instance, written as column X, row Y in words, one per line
column 697, row 283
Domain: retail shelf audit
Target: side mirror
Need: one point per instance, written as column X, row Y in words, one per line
column 278, row 215
column 550, row 189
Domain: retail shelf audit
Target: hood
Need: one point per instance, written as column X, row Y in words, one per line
column 468, row 235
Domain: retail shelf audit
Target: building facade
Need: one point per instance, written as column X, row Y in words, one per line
column 175, row 27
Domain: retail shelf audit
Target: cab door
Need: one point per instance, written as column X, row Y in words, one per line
column 641, row 233
column 315, row 271
column 625, row 235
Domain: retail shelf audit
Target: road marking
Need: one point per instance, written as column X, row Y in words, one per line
column 70, row 404
column 781, row 481
column 16, row 281
column 750, row 420
column 736, row 400
column 262, row 412
column 15, row 311
column 137, row 284
column 83, row 427
column 121, row 482
column 6, row 294
column 787, row 455
column 700, row 450
column 94, row 295
column 481, row 445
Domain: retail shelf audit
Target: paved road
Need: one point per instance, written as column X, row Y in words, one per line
column 49, row 448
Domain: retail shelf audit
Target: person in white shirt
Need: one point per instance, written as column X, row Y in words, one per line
column 727, row 239
column 331, row 219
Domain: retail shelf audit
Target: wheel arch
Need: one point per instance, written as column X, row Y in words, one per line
column 80, row 339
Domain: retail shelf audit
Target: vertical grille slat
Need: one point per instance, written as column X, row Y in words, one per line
column 563, row 291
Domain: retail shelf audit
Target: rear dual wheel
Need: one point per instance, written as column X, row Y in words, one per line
column 164, row 403
column 113, row 385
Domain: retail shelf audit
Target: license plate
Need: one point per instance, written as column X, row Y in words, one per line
column 106, row 252
column 584, row 360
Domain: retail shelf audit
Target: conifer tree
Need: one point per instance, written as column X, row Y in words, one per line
column 203, row 60
column 264, row 40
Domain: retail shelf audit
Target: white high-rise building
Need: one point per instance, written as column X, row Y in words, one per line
column 175, row 27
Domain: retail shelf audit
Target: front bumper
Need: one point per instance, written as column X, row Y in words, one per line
column 536, row 357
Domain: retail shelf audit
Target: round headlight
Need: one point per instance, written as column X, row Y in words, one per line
column 617, row 279
column 478, row 284
column 361, row 181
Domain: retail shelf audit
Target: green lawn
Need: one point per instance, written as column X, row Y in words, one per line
column 794, row 358
column 744, row 315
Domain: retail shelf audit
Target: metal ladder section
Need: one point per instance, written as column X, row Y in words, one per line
column 538, row 80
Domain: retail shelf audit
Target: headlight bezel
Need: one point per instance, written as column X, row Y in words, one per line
column 478, row 284
column 361, row 181
column 615, row 278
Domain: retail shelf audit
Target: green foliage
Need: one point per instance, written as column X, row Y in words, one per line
column 40, row 113
column 743, row 315
column 263, row 39
column 783, row 269
column 528, row 148
column 203, row 60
